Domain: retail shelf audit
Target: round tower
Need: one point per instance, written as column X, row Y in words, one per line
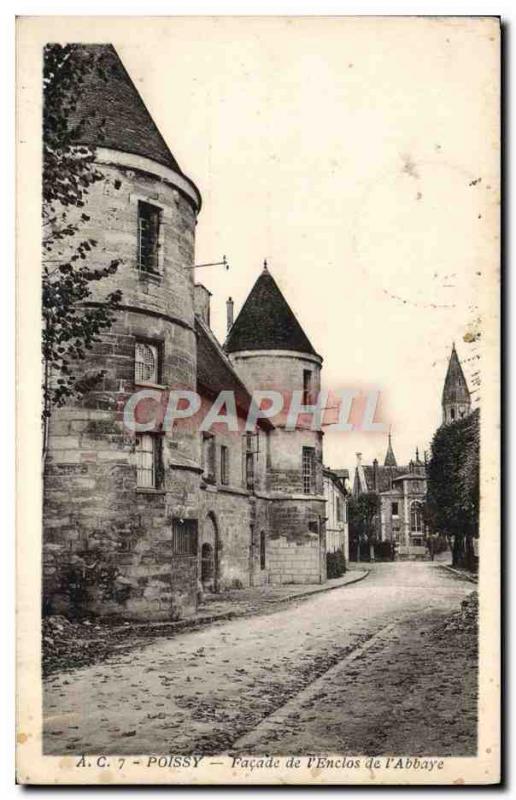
column 120, row 503
column 269, row 350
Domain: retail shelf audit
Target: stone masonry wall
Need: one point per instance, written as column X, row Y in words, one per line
column 108, row 544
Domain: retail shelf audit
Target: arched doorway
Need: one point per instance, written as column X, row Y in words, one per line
column 207, row 563
column 209, row 554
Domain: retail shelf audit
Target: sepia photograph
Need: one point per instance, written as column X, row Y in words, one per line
column 259, row 276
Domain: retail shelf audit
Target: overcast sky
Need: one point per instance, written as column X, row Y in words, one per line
column 360, row 158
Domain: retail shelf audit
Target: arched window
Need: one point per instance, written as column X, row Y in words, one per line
column 416, row 517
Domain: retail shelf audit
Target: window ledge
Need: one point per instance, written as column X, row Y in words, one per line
column 146, row 385
column 151, row 277
column 149, row 490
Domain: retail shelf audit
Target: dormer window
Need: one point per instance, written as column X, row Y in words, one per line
column 149, row 222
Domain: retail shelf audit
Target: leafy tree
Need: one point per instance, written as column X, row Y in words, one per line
column 73, row 317
column 363, row 519
column 452, row 504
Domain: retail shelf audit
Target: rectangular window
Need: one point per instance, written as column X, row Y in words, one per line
column 249, row 471
column 209, row 456
column 149, row 221
column 339, row 509
column 184, row 537
column 250, row 448
column 224, row 465
column 309, row 470
column 146, row 363
column 307, row 387
column 149, row 466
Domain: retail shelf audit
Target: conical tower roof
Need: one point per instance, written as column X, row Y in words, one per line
column 266, row 321
column 115, row 115
column 390, row 458
column 455, row 386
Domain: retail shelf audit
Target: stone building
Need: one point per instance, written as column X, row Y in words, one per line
column 270, row 351
column 134, row 524
column 402, row 491
column 336, row 494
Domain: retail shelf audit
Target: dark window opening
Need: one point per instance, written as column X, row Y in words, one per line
column 395, row 509
column 452, row 413
column 263, row 550
column 309, row 470
column 184, row 537
column 307, row 387
column 149, row 220
column 209, row 456
column 224, row 465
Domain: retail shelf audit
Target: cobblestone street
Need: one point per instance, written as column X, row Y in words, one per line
column 375, row 666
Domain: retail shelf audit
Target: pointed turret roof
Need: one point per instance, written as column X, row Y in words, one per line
column 390, row 458
column 116, row 116
column 266, row 321
column 455, row 386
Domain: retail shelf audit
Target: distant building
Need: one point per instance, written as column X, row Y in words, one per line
column 336, row 495
column 402, row 491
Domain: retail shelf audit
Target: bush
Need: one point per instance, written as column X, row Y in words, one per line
column 335, row 564
column 383, row 551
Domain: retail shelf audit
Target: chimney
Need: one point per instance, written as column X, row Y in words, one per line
column 202, row 302
column 229, row 310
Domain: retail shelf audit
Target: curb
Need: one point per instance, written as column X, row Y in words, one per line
column 322, row 589
column 459, row 573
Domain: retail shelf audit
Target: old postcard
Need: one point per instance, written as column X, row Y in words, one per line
column 258, row 400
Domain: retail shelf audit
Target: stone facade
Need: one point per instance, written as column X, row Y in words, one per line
column 402, row 492
column 137, row 525
column 337, row 531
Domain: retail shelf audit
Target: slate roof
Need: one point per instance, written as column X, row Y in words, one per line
column 455, row 387
column 116, row 115
column 385, row 476
column 216, row 374
column 266, row 322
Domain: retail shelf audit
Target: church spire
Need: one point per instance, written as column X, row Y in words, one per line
column 390, row 458
column 456, row 399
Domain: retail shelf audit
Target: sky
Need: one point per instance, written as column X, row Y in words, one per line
column 360, row 157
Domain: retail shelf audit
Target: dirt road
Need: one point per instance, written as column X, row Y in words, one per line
column 390, row 673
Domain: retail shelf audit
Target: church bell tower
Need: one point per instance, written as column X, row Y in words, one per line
column 456, row 399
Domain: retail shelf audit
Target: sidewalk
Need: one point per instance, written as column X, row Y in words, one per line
column 237, row 602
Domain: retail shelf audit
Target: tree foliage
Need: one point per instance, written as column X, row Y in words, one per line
column 452, row 505
column 363, row 516
column 73, row 317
